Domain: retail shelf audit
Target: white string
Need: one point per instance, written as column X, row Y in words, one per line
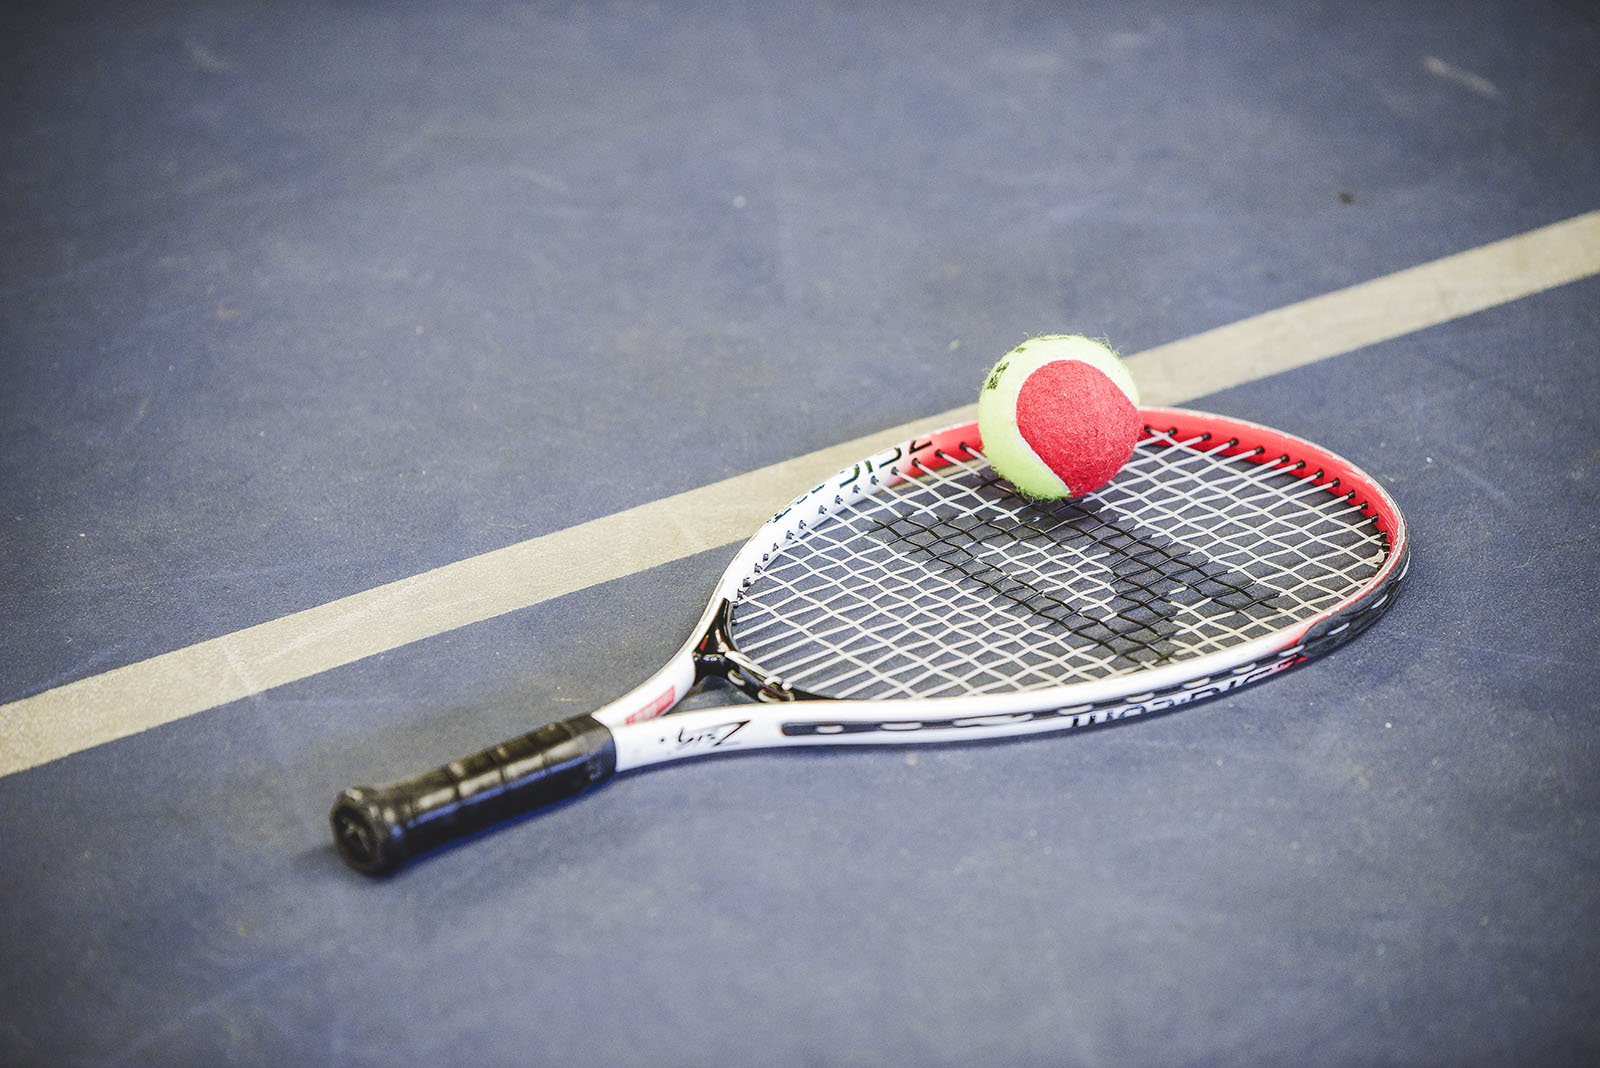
column 952, row 584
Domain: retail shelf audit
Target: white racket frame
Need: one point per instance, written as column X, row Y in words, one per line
column 647, row 731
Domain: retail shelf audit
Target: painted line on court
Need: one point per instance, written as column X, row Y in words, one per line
column 171, row 686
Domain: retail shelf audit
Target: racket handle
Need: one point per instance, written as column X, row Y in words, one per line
column 379, row 828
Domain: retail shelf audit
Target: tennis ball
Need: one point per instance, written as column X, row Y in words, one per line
column 1058, row 416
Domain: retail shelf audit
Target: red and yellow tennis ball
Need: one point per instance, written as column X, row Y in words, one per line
column 1059, row 416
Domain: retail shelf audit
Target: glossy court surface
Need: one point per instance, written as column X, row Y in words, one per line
column 381, row 381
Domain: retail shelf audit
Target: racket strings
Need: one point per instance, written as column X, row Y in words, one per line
column 1123, row 616
column 950, row 583
column 1270, row 520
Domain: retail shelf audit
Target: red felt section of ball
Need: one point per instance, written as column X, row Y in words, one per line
column 1078, row 422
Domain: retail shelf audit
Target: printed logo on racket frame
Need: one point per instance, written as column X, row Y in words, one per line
column 1073, row 716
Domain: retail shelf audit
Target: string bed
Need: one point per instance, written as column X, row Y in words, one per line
column 950, row 583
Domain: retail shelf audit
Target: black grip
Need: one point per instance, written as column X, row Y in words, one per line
column 379, row 828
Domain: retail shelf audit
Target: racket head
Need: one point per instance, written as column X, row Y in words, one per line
column 1223, row 548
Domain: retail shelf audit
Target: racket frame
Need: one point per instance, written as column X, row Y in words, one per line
column 647, row 731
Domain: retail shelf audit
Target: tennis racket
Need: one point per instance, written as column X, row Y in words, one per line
column 916, row 597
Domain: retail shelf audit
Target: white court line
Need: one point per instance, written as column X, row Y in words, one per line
column 137, row 697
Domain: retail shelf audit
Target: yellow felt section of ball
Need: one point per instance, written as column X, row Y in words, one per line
column 1003, row 445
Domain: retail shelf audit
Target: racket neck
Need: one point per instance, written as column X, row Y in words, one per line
column 717, row 657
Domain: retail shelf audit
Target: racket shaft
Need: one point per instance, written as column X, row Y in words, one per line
column 378, row 829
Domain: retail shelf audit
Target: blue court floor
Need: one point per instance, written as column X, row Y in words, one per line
column 300, row 301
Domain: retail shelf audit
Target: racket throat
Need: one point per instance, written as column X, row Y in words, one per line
column 716, row 657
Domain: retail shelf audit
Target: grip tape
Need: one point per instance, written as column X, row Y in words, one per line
column 378, row 829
